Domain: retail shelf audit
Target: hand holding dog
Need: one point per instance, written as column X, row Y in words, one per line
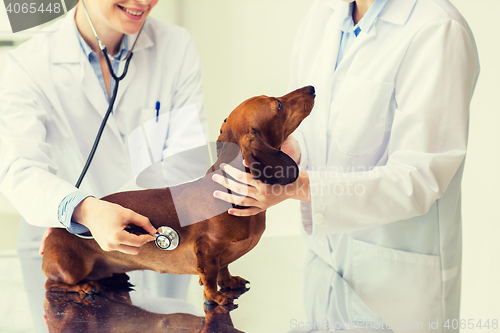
column 259, row 196
column 107, row 223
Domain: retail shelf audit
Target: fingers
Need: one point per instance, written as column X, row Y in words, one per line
column 41, row 250
column 107, row 223
column 130, row 243
column 132, row 240
column 245, row 212
column 240, row 201
column 235, row 187
column 126, row 242
column 235, row 199
column 141, row 221
column 128, row 249
column 245, row 190
column 237, row 174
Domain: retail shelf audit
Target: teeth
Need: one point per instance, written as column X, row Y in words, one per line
column 132, row 12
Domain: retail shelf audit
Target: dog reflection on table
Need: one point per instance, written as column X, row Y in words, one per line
column 112, row 311
column 212, row 239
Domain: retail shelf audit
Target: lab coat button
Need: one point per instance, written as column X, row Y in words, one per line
column 319, row 218
column 321, row 243
column 126, row 168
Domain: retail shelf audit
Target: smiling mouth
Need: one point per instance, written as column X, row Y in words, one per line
column 131, row 12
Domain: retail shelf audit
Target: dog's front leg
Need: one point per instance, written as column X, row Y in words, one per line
column 208, row 270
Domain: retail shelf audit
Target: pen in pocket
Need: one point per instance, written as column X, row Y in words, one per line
column 157, row 110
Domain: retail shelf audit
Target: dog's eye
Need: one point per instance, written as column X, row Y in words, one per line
column 280, row 106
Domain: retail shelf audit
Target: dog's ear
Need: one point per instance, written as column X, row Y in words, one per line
column 220, row 142
column 267, row 164
column 224, row 137
column 228, row 152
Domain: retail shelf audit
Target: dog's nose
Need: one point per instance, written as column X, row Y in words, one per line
column 312, row 91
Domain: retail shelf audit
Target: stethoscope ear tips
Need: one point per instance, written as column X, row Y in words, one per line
column 166, row 238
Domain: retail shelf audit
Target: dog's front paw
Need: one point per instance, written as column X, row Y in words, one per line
column 89, row 288
column 233, row 283
column 218, row 297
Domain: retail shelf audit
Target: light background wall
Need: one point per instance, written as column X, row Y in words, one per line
column 245, row 49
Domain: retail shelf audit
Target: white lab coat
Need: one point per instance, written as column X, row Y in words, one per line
column 51, row 106
column 384, row 148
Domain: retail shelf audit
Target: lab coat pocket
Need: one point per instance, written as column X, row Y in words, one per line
column 400, row 287
column 146, row 142
column 364, row 106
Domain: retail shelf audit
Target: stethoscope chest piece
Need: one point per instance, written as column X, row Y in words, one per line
column 167, row 238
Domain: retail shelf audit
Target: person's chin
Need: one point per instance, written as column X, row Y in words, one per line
column 130, row 28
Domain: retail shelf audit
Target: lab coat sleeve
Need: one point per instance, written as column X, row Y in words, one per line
column 27, row 173
column 433, row 90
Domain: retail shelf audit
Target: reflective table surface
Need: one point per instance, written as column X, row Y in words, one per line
column 273, row 303
column 114, row 312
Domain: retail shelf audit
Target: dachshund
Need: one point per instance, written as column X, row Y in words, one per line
column 254, row 131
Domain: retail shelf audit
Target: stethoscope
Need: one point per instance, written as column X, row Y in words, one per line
column 166, row 238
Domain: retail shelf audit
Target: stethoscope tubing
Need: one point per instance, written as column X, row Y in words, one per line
column 106, row 116
column 117, row 79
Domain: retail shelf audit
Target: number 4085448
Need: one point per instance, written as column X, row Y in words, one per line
column 32, row 8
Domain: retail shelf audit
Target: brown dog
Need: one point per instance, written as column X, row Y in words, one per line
column 258, row 127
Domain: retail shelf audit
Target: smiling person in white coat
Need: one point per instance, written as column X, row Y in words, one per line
column 53, row 95
column 381, row 156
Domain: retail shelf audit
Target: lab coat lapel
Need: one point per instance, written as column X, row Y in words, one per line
column 66, row 52
column 69, row 51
